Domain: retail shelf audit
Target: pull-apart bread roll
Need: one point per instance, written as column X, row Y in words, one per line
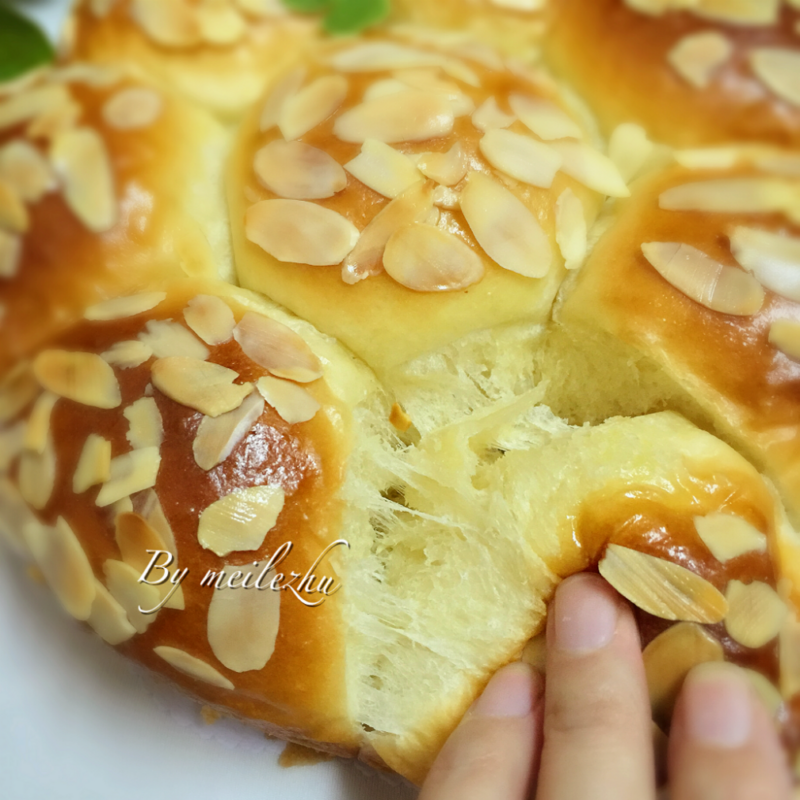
column 690, row 71
column 105, row 184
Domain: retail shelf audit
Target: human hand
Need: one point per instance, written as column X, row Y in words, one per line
column 588, row 735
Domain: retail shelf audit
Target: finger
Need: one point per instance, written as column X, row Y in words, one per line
column 597, row 728
column 493, row 752
column 723, row 743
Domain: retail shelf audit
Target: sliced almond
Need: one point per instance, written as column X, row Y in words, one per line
column 123, row 506
column 37, row 431
column 165, row 338
column 294, row 231
column 544, row 117
column 784, row 334
column 123, row 585
column 773, row 258
column 10, row 254
column 28, row 105
column 661, row 588
column 133, row 108
column 243, row 623
column 217, row 437
column 82, row 377
column 488, row 116
column 286, row 87
column 13, row 212
column 756, row 613
column 728, row 536
column 108, row 618
column 765, row 690
column 263, row 8
column 461, row 71
column 130, row 473
column 427, row 259
column 521, row 157
column 447, row 168
column 127, row 355
column 26, row 170
column 63, row 562
column 443, row 197
column 571, row 229
column 411, row 116
column 380, row 56
column 172, row 24
column 298, row 171
column 724, row 289
column 505, row 227
column 37, row 476
column 383, row 88
column 205, row 387
column 193, row 667
column 629, row 149
column 210, row 318
column 698, row 56
column 12, row 443
column 780, row 164
column 311, row 106
column 15, row 516
column 383, row 169
column 591, row 168
column 124, row 307
column 220, row 24
column 18, row 389
column 277, row 348
column 148, row 506
column 293, row 403
column 779, row 69
column 134, row 538
column 670, row 657
column 145, row 426
column 731, row 196
column 82, row 162
column 101, row 8
column 94, row 464
column 429, row 80
column 366, row 258
column 241, row 520
column 736, row 12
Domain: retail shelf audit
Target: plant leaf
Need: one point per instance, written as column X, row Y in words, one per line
column 352, row 16
column 307, row 6
column 22, row 45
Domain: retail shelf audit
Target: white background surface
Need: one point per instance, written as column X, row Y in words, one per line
column 80, row 722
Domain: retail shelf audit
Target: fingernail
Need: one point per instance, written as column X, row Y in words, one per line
column 719, row 711
column 586, row 613
column 511, row 692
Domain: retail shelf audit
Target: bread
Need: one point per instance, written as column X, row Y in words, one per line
column 449, row 382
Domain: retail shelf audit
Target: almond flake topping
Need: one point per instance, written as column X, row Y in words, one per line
column 670, row 657
column 520, row 5
column 411, row 116
column 285, row 88
column 24, row 168
column 756, row 613
column 166, row 338
column 728, row 536
column 429, row 80
column 521, row 157
column 193, row 667
column 134, row 538
column 123, row 307
column 295, row 231
column 383, row 88
column 383, row 169
column 738, row 12
column 785, row 336
column 217, row 437
column 10, row 254
column 698, row 56
column 505, row 227
column 312, row 105
column 591, row 168
column 220, row 24
column 108, row 618
column 123, row 585
column 205, row 387
column 82, row 377
column 133, row 108
column 544, row 118
column 779, row 69
column 81, row 161
column 381, row 56
column 661, row 588
column 12, row 443
column 29, row 105
column 489, row 116
column 427, row 259
column 37, row 476
column 172, row 24
column 276, row 347
column 448, row 168
column 146, row 428
column 773, row 258
column 18, row 389
column 243, row 623
column 241, row 520
column 94, row 464
column 127, row 355
column 210, row 318
column 298, row 171
column 724, row 289
column 732, row 196
column 63, row 562
column 629, row 149
column 37, row 430
column 765, row 690
column 571, row 229
column 15, row 516
column 130, row 473
column 366, row 259
column 13, row 212
column 443, row 197
column 293, row 403
column 148, row 506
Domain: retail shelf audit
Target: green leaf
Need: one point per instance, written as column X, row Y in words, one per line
column 352, row 16
column 307, row 6
column 22, row 45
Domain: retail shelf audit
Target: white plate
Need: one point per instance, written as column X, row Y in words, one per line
column 80, row 722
